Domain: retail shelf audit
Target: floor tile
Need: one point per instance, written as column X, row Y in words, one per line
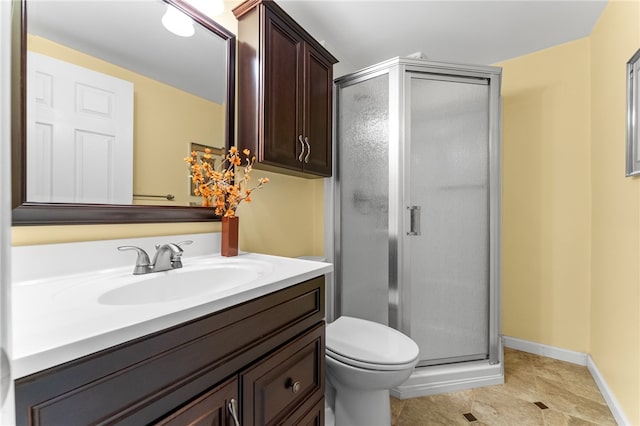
column 562, row 399
column 496, row 405
column 567, row 390
column 556, row 418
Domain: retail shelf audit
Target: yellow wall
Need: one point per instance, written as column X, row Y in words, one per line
column 571, row 220
column 546, row 197
column 615, row 306
column 284, row 218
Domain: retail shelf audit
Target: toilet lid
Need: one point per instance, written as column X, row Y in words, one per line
column 369, row 343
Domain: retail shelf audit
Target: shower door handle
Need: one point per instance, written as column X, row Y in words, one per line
column 414, row 220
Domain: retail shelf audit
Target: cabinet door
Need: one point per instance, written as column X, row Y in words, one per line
column 313, row 417
column 318, row 106
column 211, row 409
column 282, row 91
column 285, row 384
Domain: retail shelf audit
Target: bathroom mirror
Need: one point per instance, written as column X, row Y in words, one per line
column 136, row 90
column 633, row 115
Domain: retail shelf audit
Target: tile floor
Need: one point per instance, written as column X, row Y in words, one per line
column 567, row 390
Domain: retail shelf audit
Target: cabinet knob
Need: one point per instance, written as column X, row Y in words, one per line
column 294, row 385
column 302, row 148
column 306, row 140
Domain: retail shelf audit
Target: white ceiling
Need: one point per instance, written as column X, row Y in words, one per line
column 358, row 32
column 130, row 34
column 364, row 32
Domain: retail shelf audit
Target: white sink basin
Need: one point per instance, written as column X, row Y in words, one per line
column 180, row 284
column 205, row 279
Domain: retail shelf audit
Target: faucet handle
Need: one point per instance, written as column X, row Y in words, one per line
column 143, row 265
column 176, row 261
column 181, row 243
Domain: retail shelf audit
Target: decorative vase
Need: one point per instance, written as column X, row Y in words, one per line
column 230, row 236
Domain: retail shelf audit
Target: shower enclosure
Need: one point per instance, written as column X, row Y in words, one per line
column 417, row 214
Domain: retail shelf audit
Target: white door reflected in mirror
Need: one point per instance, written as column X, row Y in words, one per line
column 70, row 137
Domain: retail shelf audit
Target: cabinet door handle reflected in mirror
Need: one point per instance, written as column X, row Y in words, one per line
column 302, row 146
column 233, row 410
column 306, row 140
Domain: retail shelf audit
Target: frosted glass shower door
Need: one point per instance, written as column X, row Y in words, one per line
column 447, row 261
column 362, row 270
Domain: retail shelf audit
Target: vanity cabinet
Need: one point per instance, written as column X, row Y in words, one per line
column 266, row 355
column 285, row 92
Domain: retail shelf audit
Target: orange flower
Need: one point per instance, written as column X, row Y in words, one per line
column 219, row 186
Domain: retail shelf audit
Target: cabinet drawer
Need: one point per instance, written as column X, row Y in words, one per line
column 284, row 381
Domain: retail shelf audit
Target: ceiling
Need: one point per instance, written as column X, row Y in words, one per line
column 358, row 32
column 364, row 32
column 130, row 34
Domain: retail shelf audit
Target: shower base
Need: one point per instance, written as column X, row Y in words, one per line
column 438, row 379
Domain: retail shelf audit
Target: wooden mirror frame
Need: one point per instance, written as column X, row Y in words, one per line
column 32, row 213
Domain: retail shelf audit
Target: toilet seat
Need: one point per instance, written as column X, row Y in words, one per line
column 368, row 366
column 369, row 345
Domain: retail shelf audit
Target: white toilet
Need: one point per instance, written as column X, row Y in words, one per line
column 364, row 360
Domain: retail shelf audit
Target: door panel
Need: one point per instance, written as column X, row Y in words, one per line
column 283, row 74
column 448, row 284
column 67, row 133
column 211, row 409
column 363, row 134
column 317, row 115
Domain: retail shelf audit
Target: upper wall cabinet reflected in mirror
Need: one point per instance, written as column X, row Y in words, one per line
column 113, row 103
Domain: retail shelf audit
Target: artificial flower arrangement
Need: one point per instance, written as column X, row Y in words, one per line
column 223, row 187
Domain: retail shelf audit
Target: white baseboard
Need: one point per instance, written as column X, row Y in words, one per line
column 545, row 350
column 575, row 358
column 608, row 396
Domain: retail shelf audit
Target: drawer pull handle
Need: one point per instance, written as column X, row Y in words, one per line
column 233, row 411
column 294, row 386
column 302, row 146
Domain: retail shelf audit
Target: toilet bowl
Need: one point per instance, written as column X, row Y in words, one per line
column 364, row 360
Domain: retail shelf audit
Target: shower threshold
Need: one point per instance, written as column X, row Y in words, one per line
column 436, row 379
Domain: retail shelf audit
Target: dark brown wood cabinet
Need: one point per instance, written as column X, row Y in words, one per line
column 215, row 408
column 266, row 355
column 285, row 92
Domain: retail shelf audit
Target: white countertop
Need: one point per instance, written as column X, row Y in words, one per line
column 59, row 319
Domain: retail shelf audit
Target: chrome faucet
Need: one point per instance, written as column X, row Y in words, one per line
column 168, row 256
